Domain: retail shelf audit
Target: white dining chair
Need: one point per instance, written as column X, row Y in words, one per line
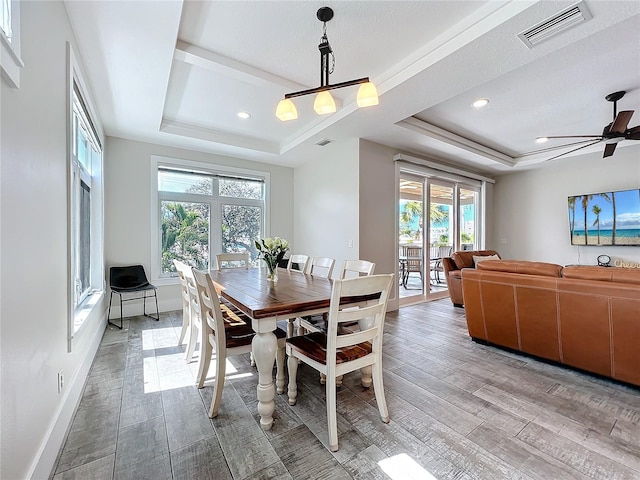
column 356, row 268
column 233, row 260
column 318, row 267
column 350, row 269
column 301, row 261
column 321, row 266
column 184, row 293
column 227, row 332
column 335, row 355
column 195, row 317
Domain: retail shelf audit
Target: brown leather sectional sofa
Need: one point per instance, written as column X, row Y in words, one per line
column 453, row 267
column 582, row 316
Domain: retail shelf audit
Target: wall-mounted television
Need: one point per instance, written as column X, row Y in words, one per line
column 611, row 218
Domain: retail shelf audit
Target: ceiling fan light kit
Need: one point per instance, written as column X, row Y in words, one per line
column 324, row 103
column 612, row 134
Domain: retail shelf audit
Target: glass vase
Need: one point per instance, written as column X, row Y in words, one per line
column 272, row 271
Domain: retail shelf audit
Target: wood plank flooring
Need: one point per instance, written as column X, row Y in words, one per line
column 459, row 410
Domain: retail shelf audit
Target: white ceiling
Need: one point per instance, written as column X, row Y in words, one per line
column 176, row 73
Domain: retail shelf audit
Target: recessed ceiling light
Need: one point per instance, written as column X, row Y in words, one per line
column 541, row 139
column 481, row 102
column 244, row 115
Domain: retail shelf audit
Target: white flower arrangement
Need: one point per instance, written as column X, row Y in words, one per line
column 272, row 250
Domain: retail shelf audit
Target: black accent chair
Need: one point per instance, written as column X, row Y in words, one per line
column 131, row 279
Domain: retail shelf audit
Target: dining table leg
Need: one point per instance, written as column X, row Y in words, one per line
column 264, row 346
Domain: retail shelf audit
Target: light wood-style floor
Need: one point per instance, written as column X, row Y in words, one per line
column 459, row 410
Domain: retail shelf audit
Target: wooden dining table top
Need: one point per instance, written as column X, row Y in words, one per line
column 294, row 292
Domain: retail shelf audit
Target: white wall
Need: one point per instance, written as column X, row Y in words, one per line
column 128, row 207
column 33, row 259
column 326, row 191
column 378, row 207
column 531, row 212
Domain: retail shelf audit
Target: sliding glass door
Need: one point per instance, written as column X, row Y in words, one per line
column 469, row 231
column 437, row 216
column 411, row 272
column 442, row 227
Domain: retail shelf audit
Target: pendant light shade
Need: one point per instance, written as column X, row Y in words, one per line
column 324, row 103
column 367, row 95
column 286, row 110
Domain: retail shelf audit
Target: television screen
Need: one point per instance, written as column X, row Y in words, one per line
column 608, row 218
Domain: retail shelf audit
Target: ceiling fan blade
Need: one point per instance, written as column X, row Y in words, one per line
column 622, row 120
column 549, row 149
column 633, row 133
column 574, row 136
column 575, row 149
column 609, row 149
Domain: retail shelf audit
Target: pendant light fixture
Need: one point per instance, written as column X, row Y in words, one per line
column 324, row 103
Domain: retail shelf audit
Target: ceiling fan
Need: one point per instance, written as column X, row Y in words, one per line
column 612, row 133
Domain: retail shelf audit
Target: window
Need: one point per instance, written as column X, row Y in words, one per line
column 11, row 62
column 86, row 259
column 203, row 210
column 6, row 19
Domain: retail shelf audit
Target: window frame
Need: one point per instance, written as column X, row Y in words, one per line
column 216, row 204
column 10, row 48
column 87, row 305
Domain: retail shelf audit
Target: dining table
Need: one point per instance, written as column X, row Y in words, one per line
column 294, row 294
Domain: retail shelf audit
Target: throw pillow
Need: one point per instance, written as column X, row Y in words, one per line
column 482, row 258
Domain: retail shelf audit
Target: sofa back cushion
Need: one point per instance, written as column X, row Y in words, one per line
column 464, row 258
column 521, row 266
column 604, row 274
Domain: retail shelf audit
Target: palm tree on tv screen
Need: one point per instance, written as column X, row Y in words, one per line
column 585, row 205
column 613, row 233
column 572, row 206
column 596, row 211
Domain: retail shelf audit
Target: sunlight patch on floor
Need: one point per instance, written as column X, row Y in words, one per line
column 182, row 376
column 403, row 467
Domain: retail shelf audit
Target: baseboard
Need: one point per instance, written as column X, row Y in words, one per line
column 47, row 456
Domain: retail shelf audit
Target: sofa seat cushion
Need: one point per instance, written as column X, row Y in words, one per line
column 464, row 258
column 521, row 266
column 603, row 274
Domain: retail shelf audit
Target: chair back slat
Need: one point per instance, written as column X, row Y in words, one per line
column 211, row 312
column 300, row 260
column 356, row 268
column 321, row 267
column 180, row 269
column 233, row 260
column 372, row 314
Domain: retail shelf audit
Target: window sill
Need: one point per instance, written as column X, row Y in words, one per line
column 85, row 309
column 11, row 62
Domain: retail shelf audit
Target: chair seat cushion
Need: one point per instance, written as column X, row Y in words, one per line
column 314, row 346
column 137, row 288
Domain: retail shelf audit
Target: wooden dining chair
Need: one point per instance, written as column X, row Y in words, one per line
column 298, row 263
column 195, row 315
column 184, row 293
column 227, row 332
column 356, row 268
column 335, row 355
column 233, row 260
column 350, row 269
column 321, row 266
column 318, row 267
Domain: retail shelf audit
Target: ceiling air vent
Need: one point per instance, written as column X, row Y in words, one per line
column 564, row 20
column 324, row 142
